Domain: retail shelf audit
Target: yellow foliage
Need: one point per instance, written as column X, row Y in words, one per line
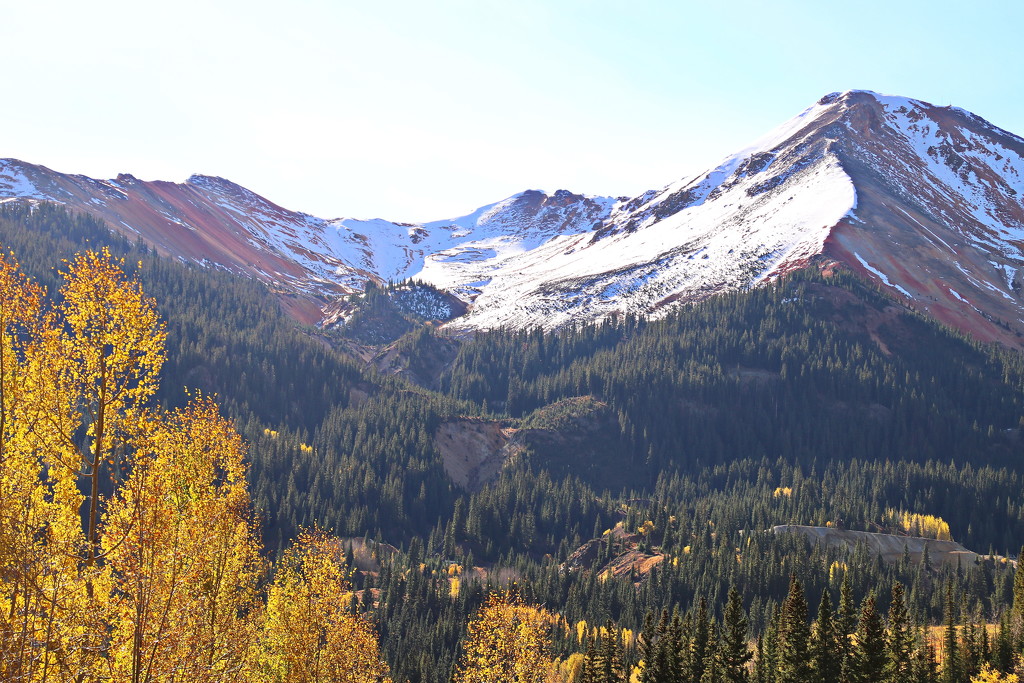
column 646, row 528
column 308, row 634
column 87, row 366
column 990, row 675
column 581, row 630
column 305, row 448
column 453, row 586
column 508, row 641
column 568, row 669
column 182, row 553
column 783, row 491
column 158, row 580
column 927, row 526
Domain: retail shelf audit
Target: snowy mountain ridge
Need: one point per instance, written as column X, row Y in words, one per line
column 924, row 200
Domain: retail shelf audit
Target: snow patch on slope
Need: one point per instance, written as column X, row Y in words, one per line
column 882, row 276
column 14, row 184
column 737, row 239
column 952, row 160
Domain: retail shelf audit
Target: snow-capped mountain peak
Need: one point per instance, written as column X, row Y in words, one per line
column 924, row 200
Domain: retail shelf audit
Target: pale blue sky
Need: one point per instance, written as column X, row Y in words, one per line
column 424, row 110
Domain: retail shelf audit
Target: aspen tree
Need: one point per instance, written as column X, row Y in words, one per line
column 507, row 642
column 183, row 554
column 309, row 635
column 103, row 348
column 23, row 507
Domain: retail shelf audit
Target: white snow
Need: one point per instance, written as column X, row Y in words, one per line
column 736, row 240
column 14, row 183
column 961, row 186
column 554, row 259
column 881, row 276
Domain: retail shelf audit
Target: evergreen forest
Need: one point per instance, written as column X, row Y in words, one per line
column 633, row 500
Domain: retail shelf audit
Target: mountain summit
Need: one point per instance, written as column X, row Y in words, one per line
column 926, row 201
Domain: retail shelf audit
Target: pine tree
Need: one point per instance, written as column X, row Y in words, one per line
column 647, row 650
column 768, row 649
column 924, row 667
column 701, row 641
column 970, row 649
column 609, row 655
column 846, row 624
column 1017, row 612
column 713, row 667
column 826, row 651
column 1002, row 651
column 589, row 672
column 664, row 661
column 734, row 653
column 674, row 654
column 679, row 657
column 900, row 641
column 868, row 658
column 952, row 661
column 760, row 673
column 794, row 637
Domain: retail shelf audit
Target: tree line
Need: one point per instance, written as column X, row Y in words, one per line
column 127, row 543
column 705, row 429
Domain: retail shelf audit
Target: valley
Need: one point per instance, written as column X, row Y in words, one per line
column 745, row 383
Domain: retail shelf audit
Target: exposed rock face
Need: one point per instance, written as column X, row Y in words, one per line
column 926, row 201
column 888, row 546
column 627, row 560
column 474, row 451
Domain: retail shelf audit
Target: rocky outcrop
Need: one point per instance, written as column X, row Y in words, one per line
column 888, row 546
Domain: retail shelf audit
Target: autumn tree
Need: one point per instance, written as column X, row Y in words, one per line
column 75, row 381
column 100, row 356
column 990, row 675
column 507, row 642
column 309, row 634
column 182, row 554
column 24, row 509
column 127, row 545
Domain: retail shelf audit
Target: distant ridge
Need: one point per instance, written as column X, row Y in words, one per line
column 926, row 201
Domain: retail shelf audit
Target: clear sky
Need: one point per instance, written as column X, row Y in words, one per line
column 425, row 110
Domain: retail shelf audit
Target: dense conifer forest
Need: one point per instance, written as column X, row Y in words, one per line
column 635, row 520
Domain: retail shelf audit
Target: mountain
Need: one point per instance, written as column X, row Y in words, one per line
column 308, row 260
column 926, row 201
